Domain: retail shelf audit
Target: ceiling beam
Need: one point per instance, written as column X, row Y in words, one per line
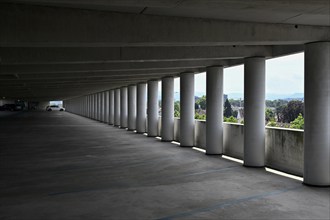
column 28, row 25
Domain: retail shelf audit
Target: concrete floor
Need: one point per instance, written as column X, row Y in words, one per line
column 56, row 165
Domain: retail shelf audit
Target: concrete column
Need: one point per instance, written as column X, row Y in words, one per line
column 254, row 112
column 102, row 107
column 123, row 107
column 131, row 107
column 94, row 106
column 99, row 106
column 111, row 107
column 141, row 114
column 106, row 107
column 187, row 109
column 117, row 107
column 152, row 108
column 317, row 114
column 89, row 106
column 214, row 110
column 167, row 109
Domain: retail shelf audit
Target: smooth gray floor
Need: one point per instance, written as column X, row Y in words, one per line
column 56, row 165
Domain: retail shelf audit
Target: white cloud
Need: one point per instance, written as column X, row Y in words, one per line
column 284, row 75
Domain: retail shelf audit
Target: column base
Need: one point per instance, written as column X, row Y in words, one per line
column 131, row 129
column 314, row 185
column 186, row 146
column 215, row 154
column 140, row 132
column 122, row 127
column 167, row 140
column 251, row 166
column 152, row 135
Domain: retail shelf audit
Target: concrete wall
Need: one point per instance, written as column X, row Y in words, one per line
column 284, row 147
column 233, row 140
column 284, row 150
column 200, row 133
column 177, row 129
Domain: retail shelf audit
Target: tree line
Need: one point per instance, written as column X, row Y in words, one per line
column 279, row 113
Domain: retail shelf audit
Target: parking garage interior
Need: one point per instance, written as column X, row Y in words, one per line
column 109, row 155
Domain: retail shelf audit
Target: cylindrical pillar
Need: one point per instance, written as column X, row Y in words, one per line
column 92, row 106
column 254, row 112
column 187, row 109
column 95, row 106
column 106, row 107
column 111, row 107
column 131, row 107
column 88, row 106
column 141, row 113
column 102, row 106
column 317, row 114
column 99, row 106
column 214, row 110
column 123, row 107
column 152, row 108
column 167, row 109
column 117, row 107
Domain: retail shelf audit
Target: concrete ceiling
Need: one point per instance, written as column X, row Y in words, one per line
column 308, row 12
column 56, row 49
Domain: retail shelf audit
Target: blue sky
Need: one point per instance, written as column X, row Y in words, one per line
column 284, row 75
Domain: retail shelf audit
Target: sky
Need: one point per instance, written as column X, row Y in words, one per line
column 284, row 75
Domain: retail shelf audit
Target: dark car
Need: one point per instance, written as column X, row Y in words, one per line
column 9, row 107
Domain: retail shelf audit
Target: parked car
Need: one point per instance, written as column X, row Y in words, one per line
column 11, row 107
column 54, row 108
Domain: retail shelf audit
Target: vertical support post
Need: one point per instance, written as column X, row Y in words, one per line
column 111, row 107
column 141, row 113
column 131, row 107
column 167, row 109
column 106, row 107
column 214, row 110
column 123, row 107
column 254, row 112
column 317, row 114
column 117, row 107
column 99, row 104
column 152, row 108
column 102, row 106
column 187, row 109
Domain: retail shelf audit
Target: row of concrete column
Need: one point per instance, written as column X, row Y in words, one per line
column 128, row 107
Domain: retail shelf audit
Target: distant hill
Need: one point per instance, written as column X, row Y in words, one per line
column 270, row 96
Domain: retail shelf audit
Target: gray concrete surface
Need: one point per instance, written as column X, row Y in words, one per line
column 110, row 44
column 56, row 165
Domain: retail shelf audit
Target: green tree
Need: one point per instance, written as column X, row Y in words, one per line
column 231, row 119
column 202, row 102
column 290, row 112
column 228, row 111
column 200, row 116
column 272, row 123
column 269, row 114
column 177, row 109
column 298, row 123
column 235, row 113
